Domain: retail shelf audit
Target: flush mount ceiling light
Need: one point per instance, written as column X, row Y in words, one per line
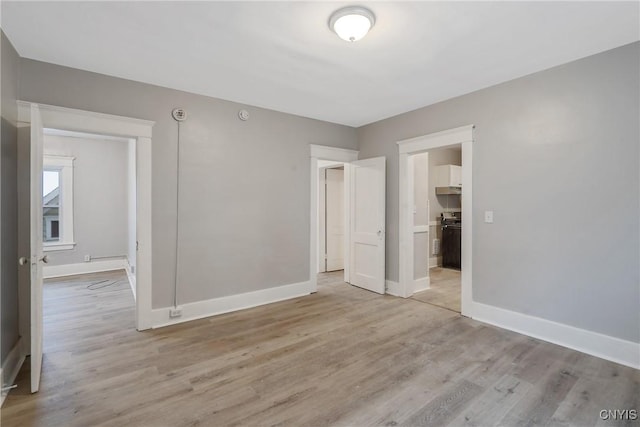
column 352, row 23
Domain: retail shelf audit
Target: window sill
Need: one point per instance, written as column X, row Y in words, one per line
column 50, row 247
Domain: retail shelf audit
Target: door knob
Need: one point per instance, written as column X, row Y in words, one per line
column 45, row 259
column 23, row 260
column 379, row 233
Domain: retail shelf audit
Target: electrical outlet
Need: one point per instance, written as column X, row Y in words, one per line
column 488, row 217
column 175, row 312
column 87, row 258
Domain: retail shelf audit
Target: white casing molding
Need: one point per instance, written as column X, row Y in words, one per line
column 200, row 309
column 461, row 136
column 596, row 344
column 69, row 119
column 393, row 288
column 144, row 237
column 11, row 366
column 317, row 153
column 421, row 284
column 323, row 152
column 50, row 271
column 604, row 346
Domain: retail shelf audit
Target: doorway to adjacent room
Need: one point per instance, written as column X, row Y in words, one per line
column 432, row 235
column 437, row 226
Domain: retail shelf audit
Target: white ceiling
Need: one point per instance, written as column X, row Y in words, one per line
column 283, row 56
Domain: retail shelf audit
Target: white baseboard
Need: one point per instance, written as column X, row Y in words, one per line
column 131, row 277
column 420, row 229
column 606, row 347
column 10, row 368
column 421, row 284
column 198, row 310
column 84, row 268
column 393, row 288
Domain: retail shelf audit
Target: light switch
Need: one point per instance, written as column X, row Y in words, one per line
column 488, row 217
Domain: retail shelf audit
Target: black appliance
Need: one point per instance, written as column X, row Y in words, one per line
column 451, row 223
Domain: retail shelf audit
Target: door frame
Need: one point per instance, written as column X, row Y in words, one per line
column 452, row 137
column 331, row 186
column 322, row 152
column 420, row 283
column 139, row 130
column 323, row 165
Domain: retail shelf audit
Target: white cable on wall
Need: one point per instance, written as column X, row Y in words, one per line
column 179, row 115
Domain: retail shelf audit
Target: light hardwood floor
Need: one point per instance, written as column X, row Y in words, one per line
column 444, row 290
column 343, row 356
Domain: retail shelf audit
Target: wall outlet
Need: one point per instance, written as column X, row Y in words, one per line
column 175, row 312
column 87, row 258
column 488, row 217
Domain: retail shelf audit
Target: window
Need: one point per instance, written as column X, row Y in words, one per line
column 51, row 205
column 57, row 203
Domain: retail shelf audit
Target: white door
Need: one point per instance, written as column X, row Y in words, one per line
column 37, row 257
column 367, row 224
column 334, row 219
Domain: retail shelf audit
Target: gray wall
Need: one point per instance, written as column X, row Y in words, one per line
column 556, row 157
column 10, row 71
column 244, row 198
column 99, row 196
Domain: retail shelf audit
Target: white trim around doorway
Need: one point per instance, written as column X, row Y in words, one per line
column 70, row 119
column 321, row 152
column 461, row 136
column 599, row 345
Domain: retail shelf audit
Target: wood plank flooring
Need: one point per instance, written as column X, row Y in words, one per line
column 445, row 289
column 343, row 356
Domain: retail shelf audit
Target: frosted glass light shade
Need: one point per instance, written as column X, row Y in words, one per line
column 352, row 23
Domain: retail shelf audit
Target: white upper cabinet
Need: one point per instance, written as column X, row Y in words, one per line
column 448, row 176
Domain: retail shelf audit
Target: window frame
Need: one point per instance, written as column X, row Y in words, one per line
column 64, row 166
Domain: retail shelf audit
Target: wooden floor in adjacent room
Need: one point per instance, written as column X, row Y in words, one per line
column 444, row 290
column 343, row 356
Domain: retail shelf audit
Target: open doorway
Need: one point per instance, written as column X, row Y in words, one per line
column 331, row 216
column 437, row 226
column 363, row 210
column 331, row 223
column 86, row 231
column 322, row 157
column 422, row 252
column 33, row 119
column 89, row 226
column 89, row 203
